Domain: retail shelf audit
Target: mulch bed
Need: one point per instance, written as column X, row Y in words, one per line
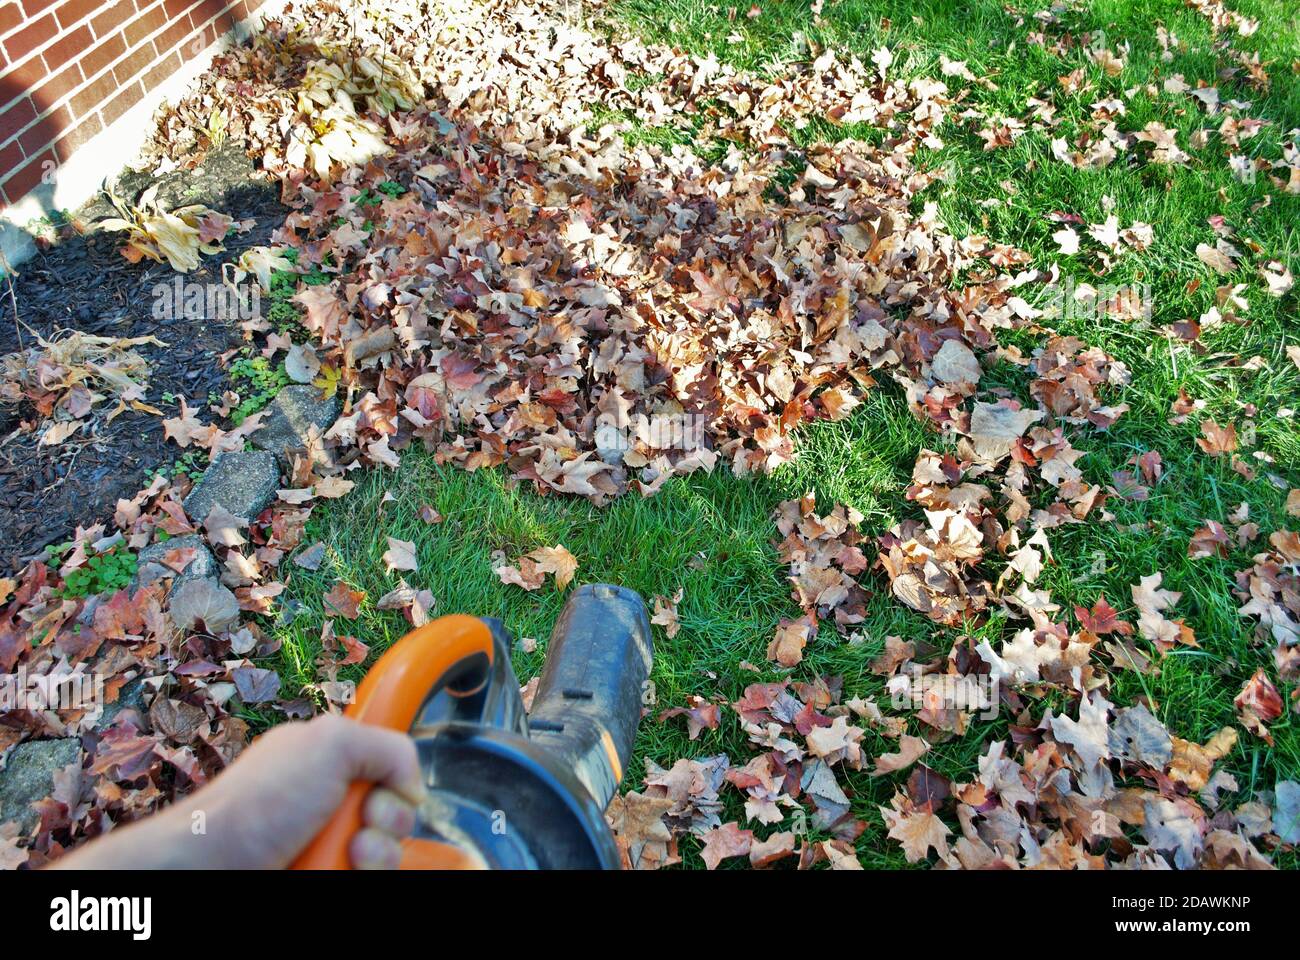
column 83, row 283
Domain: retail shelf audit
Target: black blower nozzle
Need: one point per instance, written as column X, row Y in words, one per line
column 529, row 790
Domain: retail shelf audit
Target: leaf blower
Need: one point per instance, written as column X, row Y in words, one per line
column 508, row 788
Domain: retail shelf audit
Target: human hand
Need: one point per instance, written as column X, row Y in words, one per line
column 276, row 796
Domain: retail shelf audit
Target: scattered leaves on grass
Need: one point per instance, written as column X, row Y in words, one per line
column 343, row 601
column 400, row 555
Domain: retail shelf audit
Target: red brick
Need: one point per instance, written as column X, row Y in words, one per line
column 33, row 7
column 223, row 22
column 199, row 42
column 178, row 8
column 16, row 117
column 161, row 72
column 25, row 76
column 27, row 177
column 112, row 18
column 143, row 25
column 10, row 16
column 252, row 4
column 67, row 48
column 60, row 86
column 45, row 131
column 30, row 37
column 133, row 64
column 78, row 138
column 92, row 95
column 126, row 98
column 101, row 56
column 11, row 157
column 171, row 38
column 75, row 10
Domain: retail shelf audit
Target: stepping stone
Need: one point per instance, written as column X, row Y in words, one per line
column 28, row 776
column 151, row 566
column 242, row 481
column 130, row 697
column 291, row 415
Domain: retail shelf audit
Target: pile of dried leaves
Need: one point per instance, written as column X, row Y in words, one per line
column 64, row 378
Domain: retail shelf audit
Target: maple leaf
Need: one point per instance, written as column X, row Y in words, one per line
column 184, row 429
column 956, row 363
column 1067, row 240
column 1090, row 734
column 177, row 720
column 223, row 527
column 1102, row 619
column 910, row 750
column 715, row 292
column 665, row 614
column 311, row 558
column 1210, row 540
column 1139, row 737
column 725, row 841
column 764, row 853
column 328, row 381
column 1192, row 763
column 400, row 555
column 1216, row 440
column 995, row 427
column 325, row 312
column 1173, row 826
column 791, row 636
column 122, row 754
column 331, row 488
column 918, row 831
column 254, row 684
column 639, row 829
column 700, row 715
column 1259, row 704
column 179, row 558
column 213, row 227
column 1151, row 600
column 526, row 575
column 835, row 742
column 1216, row 259
column 203, row 603
column 460, row 372
column 342, row 601
column 558, row 561
column 928, row 789
column 301, row 363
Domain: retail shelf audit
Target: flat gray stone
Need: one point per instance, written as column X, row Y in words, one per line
column 242, row 481
column 290, row 417
column 28, row 776
column 130, row 697
column 151, row 566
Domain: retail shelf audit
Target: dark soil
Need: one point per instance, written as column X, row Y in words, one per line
column 83, row 283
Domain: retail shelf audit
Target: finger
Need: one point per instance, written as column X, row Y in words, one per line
column 381, row 756
column 372, row 849
column 389, row 812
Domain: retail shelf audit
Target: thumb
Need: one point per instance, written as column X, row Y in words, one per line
column 382, row 756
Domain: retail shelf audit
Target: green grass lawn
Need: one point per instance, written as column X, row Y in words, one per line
column 712, row 535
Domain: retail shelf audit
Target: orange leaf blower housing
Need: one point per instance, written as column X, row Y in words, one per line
column 507, row 788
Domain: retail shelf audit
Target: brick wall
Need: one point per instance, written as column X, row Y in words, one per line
column 71, row 68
